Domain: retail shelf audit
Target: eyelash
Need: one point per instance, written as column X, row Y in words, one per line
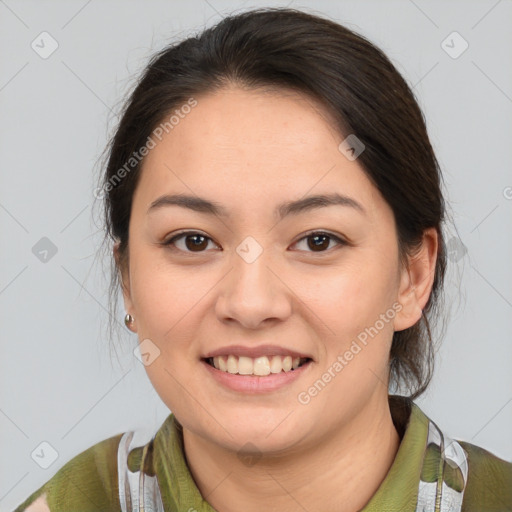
column 170, row 243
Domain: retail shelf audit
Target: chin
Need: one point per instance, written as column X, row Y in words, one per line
column 268, row 431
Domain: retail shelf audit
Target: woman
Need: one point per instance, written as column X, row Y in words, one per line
column 276, row 215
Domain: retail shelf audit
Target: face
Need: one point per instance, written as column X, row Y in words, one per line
column 256, row 278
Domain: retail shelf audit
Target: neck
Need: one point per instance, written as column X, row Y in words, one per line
column 345, row 469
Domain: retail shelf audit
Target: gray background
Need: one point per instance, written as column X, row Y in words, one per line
column 58, row 382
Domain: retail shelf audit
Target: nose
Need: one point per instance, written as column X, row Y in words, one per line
column 254, row 292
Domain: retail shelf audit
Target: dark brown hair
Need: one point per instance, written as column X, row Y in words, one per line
column 359, row 86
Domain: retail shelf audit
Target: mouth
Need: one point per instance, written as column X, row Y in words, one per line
column 257, row 366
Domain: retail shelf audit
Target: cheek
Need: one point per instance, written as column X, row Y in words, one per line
column 355, row 304
column 168, row 303
column 163, row 295
column 352, row 294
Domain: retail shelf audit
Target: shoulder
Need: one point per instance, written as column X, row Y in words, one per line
column 489, row 481
column 89, row 481
column 457, row 475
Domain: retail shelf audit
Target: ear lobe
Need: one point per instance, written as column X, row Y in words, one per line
column 416, row 281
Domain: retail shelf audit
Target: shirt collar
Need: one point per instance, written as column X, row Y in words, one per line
column 398, row 490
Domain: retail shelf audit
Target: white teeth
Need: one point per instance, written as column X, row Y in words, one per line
column 245, row 365
column 260, row 366
column 276, row 365
column 223, row 365
column 232, row 364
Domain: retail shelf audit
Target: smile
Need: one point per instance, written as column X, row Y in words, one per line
column 258, row 366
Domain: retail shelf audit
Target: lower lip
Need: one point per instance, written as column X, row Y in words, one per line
column 256, row 384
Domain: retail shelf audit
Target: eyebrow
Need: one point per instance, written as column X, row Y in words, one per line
column 306, row 204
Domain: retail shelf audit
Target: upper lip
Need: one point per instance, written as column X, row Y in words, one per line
column 253, row 352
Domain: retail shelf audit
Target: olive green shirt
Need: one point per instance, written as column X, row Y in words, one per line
column 430, row 473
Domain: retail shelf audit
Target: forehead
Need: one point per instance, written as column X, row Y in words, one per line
column 252, row 147
column 238, row 121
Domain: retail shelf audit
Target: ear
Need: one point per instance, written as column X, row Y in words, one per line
column 416, row 281
column 124, row 278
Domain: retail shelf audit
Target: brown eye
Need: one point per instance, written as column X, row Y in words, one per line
column 194, row 242
column 319, row 241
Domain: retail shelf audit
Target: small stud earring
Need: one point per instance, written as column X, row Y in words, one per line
column 128, row 320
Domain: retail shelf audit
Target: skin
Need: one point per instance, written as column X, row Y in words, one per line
column 250, row 150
